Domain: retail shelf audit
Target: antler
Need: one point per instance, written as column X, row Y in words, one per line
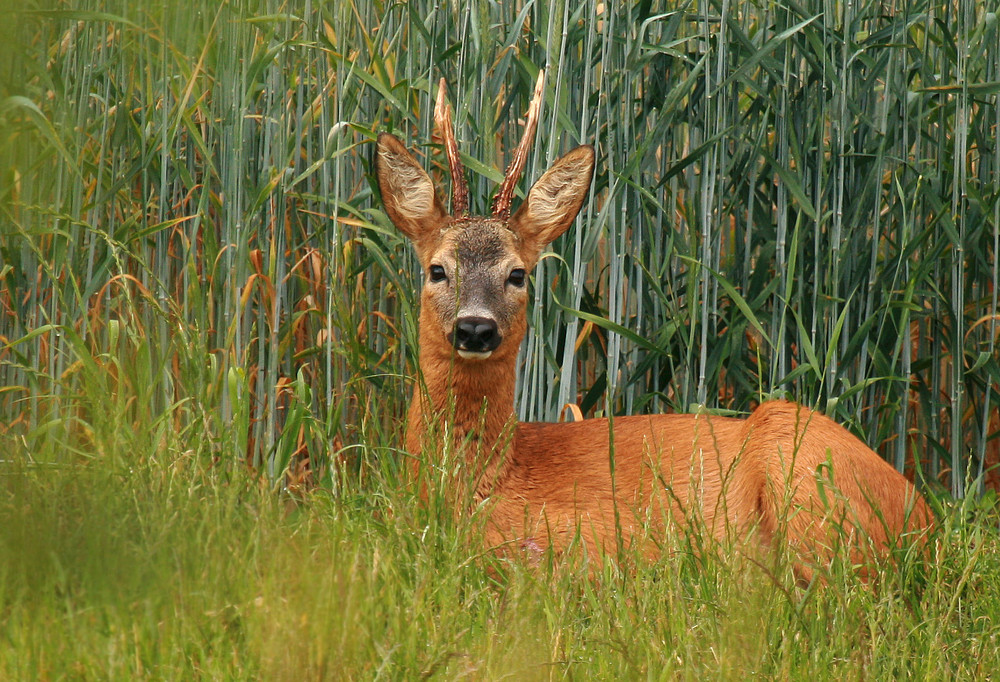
column 459, row 190
column 501, row 204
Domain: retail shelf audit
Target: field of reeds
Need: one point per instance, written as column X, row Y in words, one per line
column 208, row 329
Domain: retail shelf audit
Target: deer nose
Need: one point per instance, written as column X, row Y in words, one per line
column 476, row 335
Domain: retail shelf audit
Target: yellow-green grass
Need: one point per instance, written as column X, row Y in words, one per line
column 168, row 569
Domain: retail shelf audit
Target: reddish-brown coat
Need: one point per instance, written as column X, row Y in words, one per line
column 784, row 475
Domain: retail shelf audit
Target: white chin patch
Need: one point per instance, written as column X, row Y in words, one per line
column 473, row 355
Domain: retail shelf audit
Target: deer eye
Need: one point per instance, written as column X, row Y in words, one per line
column 438, row 274
column 516, row 277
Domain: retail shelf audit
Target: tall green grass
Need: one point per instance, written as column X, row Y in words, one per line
column 794, row 200
column 201, row 302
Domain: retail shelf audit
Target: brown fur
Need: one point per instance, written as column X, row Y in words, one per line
column 786, row 474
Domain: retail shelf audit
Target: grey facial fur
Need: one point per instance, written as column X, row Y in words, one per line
column 477, row 255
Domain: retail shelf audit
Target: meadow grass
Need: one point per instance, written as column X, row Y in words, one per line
column 207, row 328
column 169, row 569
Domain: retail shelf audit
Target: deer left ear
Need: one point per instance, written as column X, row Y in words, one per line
column 554, row 201
column 408, row 194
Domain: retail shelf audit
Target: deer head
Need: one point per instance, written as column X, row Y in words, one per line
column 475, row 294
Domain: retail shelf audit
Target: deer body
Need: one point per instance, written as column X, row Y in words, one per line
column 785, row 473
column 760, row 475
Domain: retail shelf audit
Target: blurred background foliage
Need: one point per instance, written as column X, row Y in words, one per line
column 794, row 199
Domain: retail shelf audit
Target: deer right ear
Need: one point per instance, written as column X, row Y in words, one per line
column 554, row 200
column 407, row 191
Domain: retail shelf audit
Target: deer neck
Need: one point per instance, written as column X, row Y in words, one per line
column 461, row 406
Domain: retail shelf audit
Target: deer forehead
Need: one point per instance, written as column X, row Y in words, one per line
column 480, row 244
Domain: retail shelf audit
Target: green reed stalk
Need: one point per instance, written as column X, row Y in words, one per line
column 794, row 200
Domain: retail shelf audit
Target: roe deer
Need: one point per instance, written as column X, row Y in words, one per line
column 785, row 474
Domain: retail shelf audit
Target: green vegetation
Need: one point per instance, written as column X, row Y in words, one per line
column 207, row 327
column 173, row 572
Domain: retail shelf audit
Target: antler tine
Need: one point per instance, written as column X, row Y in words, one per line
column 459, row 190
column 501, row 204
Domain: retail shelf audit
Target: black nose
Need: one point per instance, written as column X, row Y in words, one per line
column 476, row 335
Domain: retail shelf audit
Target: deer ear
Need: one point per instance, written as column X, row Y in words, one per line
column 554, row 200
column 407, row 192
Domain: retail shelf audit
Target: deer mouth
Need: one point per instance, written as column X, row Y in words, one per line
column 474, row 354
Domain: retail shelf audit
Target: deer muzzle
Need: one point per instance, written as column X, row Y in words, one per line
column 475, row 337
